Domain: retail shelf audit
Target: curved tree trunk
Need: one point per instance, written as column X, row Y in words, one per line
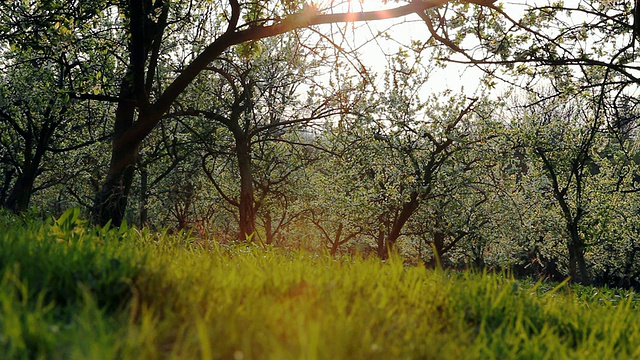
column 145, row 36
column 111, row 201
column 335, row 244
column 408, row 209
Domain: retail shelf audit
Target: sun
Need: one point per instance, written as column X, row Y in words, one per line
column 356, row 5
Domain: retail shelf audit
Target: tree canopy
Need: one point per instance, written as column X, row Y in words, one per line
column 249, row 121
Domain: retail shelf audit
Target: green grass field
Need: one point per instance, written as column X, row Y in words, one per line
column 72, row 292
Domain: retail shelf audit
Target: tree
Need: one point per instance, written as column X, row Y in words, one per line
column 257, row 102
column 563, row 135
column 154, row 65
column 43, row 125
column 40, row 53
column 422, row 137
column 336, row 199
column 547, row 37
column 396, row 151
column 279, row 178
column 142, row 103
column 31, row 123
column 460, row 214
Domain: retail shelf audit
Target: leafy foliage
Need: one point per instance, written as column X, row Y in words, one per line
column 206, row 118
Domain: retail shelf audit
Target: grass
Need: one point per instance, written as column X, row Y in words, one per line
column 72, row 292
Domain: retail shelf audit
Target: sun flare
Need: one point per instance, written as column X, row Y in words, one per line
column 356, row 5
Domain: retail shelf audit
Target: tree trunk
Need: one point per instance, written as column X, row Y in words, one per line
column 408, row 208
column 382, row 248
column 335, row 244
column 4, row 191
column 577, row 264
column 334, row 248
column 268, row 229
column 111, row 201
column 20, row 194
column 438, row 247
column 144, row 194
column 247, row 206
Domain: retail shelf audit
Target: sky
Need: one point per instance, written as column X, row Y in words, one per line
column 458, row 78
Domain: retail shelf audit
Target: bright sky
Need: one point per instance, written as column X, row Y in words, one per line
column 374, row 50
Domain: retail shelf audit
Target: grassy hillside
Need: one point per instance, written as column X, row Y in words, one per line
column 68, row 291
